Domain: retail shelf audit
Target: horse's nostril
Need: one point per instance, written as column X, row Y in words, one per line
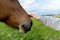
column 26, row 28
column 31, row 23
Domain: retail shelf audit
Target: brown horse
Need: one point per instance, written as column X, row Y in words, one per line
column 12, row 13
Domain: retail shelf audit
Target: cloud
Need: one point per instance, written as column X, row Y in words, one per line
column 40, row 5
column 53, row 5
column 27, row 3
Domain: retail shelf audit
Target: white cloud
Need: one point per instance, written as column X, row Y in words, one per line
column 28, row 2
column 53, row 5
column 45, row 5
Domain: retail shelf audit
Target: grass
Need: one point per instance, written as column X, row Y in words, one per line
column 38, row 32
column 57, row 16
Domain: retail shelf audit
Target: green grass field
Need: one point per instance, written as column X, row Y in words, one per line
column 37, row 32
column 57, row 16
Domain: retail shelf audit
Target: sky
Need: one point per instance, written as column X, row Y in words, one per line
column 41, row 7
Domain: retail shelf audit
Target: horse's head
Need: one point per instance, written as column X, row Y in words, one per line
column 16, row 15
column 25, row 22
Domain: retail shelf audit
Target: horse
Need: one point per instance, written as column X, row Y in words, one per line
column 14, row 15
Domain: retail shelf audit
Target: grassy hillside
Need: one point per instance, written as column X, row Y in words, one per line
column 38, row 32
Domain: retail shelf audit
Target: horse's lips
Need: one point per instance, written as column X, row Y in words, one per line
column 24, row 28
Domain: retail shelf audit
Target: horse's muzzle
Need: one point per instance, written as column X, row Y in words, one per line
column 26, row 28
